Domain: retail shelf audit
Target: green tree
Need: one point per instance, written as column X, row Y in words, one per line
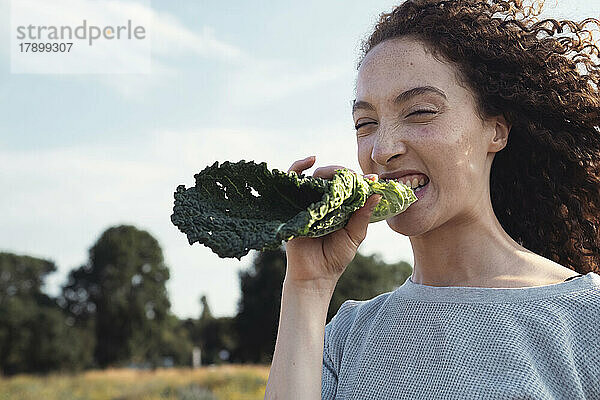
column 212, row 335
column 170, row 341
column 366, row 277
column 35, row 334
column 257, row 320
column 258, row 310
column 122, row 288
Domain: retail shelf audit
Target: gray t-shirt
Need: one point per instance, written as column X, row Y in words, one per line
column 427, row 342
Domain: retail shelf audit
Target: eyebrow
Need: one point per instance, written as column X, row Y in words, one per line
column 402, row 97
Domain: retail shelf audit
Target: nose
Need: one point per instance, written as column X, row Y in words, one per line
column 388, row 145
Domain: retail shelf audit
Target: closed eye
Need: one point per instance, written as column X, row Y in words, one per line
column 417, row 112
column 421, row 112
column 363, row 124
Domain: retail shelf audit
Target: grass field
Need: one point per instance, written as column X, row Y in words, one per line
column 235, row 382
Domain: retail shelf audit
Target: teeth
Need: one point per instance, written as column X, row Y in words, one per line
column 414, row 183
column 411, row 184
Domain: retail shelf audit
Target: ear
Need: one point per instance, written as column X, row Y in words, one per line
column 500, row 134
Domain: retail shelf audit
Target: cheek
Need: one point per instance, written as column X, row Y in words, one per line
column 464, row 166
column 447, row 153
column 363, row 152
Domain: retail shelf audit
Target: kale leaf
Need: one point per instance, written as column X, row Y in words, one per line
column 235, row 207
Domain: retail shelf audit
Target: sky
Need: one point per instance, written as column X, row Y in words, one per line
column 264, row 80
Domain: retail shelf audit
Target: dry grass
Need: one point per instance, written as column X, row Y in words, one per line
column 231, row 382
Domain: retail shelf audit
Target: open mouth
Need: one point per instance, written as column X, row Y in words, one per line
column 415, row 182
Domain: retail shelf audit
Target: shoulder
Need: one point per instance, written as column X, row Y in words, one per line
column 587, row 291
column 350, row 310
column 352, row 315
column 584, row 303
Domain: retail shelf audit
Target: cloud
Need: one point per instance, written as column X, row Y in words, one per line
column 261, row 83
column 168, row 37
column 171, row 38
column 171, row 41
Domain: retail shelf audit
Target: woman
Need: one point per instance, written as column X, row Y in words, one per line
column 500, row 121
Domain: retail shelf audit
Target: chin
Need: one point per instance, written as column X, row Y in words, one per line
column 404, row 226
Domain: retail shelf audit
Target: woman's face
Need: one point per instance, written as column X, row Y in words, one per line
column 434, row 131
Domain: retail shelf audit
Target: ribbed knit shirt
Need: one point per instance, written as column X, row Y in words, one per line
column 431, row 342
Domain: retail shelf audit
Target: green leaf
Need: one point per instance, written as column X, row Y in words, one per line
column 235, row 207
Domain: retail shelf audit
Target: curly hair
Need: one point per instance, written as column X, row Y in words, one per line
column 542, row 76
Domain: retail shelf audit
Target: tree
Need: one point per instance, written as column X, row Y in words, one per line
column 35, row 335
column 212, row 335
column 258, row 317
column 366, row 277
column 206, row 314
column 258, row 311
column 172, row 341
column 122, row 288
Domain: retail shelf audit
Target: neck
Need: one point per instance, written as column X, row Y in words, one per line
column 471, row 250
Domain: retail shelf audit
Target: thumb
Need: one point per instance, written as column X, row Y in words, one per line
column 356, row 228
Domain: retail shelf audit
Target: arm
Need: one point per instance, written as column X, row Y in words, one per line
column 314, row 266
column 298, row 358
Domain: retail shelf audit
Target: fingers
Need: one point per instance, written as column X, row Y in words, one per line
column 321, row 172
column 300, row 165
column 327, row 172
column 356, row 228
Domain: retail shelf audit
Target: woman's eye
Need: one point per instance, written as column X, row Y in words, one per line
column 363, row 124
column 417, row 112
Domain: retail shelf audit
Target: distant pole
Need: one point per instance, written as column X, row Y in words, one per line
column 196, row 359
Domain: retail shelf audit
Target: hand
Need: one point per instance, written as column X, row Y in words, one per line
column 319, row 262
